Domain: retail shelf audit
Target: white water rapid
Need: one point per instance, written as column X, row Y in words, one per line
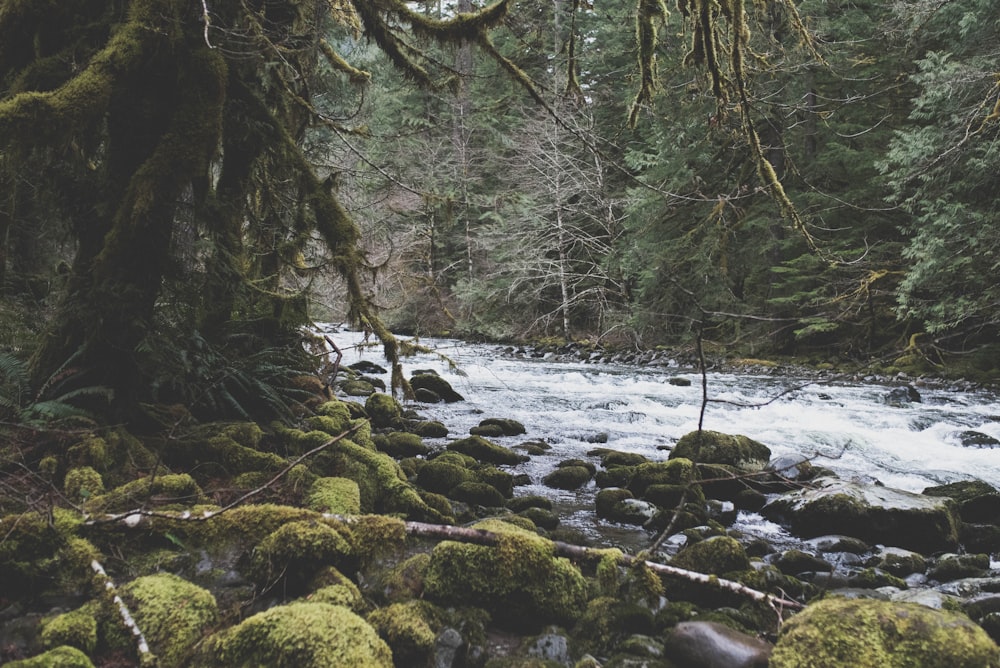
column 576, row 407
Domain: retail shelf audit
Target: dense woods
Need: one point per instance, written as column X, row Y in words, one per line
column 187, row 186
column 184, row 187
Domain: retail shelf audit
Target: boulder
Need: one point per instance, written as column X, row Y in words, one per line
column 384, row 411
column 872, row 513
column 568, row 477
column 506, row 426
column 713, row 645
column 400, row 444
column 715, row 555
column 712, row 447
column 868, row 632
column 485, row 451
column 436, row 384
column 428, row 429
column 305, row 635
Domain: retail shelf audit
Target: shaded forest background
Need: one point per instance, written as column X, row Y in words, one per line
column 185, row 185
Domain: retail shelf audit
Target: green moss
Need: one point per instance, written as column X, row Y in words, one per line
column 299, row 635
column 384, row 411
column 34, row 548
column 477, row 493
column 677, row 471
column 76, row 629
column 333, row 587
column 295, row 552
column 485, row 451
column 339, row 496
column 377, row 535
column 568, row 477
column 441, row 477
column 406, row 581
column 59, row 657
column 172, row 613
column 82, row 483
column 716, row 555
column 410, row 629
column 338, row 416
column 91, row 451
column 866, row 632
column 400, row 444
column 179, row 488
column 712, row 447
column 519, row 580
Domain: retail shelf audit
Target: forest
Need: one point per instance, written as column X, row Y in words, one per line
column 188, row 186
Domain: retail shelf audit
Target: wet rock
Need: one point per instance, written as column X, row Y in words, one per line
column 715, row 555
column 568, row 477
column 956, row 566
column 612, row 458
column 400, row 444
column 930, row 598
column 791, row 467
column 63, row 657
column 340, row 496
column 428, row 429
column 978, row 502
column 478, row 493
column 368, row 367
column 543, row 519
column 977, row 439
column 900, row 562
column 551, row 646
column 425, row 396
column 486, row 431
column 486, row 451
column 677, row 471
column 357, row 388
column 712, row 447
column 446, row 647
column 836, row 543
column 534, row 447
column 520, row 503
column 871, row 513
column 865, row 632
column 679, row 381
column 980, row 537
column 506, row 426
column 793, row 562
column 619, row 505
column 902, row 396
column 410, row 629
column 441, row 477
column 436, row 384
column 714, row 645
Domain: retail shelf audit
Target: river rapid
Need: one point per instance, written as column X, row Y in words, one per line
column 576, row 407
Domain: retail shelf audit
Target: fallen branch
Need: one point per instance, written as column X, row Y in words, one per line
column 586, row 554
column 146, row 657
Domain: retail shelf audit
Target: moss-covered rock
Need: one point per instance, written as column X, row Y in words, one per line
column 978, row 502
column 712, row 447
column 520, row 503
column 715, row 555
column 77, row 628
column 339, row 496
column 519, row 580
column 568, row 477
column 506, row 426
column 477, row 493
column 867, row 632
column 428, row 429
column 955, row 566
column 485, row 451
column 436, row 384
column 172, row 613
column 384, row 411
column 295, row 552
column 607, row 621
column 179, row 489
column 620, row 505
column 299, row 635
column 333, row 587
column 900, row 562
column 400, row 444
column 410, row 629
column 82, row 483
column 441, row 477
column 614, row 458
column 543, row 519
column 58, row 657
column 874, row 514
column 41, row 550
column 677, row 471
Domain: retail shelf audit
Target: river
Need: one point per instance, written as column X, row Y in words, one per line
column 577, row 406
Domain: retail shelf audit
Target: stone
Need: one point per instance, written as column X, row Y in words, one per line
column 436, row 384
column 568, row 477
column 506, row 426
column 478, row 493
column 867, row 632
column 400, row 444
column 486, row 451
column 715, row 555
column 714, row 645
column 428, row 429
column 868, row 512
column 712, row 447
column 383, row 411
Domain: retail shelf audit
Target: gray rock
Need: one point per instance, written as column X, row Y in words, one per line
column 446, row 648
column 713, row 645
column 869, row 512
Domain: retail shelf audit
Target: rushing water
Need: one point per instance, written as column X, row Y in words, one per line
column 576, row 407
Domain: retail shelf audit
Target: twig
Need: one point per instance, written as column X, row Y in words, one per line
column 207, row 21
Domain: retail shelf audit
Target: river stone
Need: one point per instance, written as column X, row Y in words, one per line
column 979, row 502
column 568, row 477
column 428, row 429
column 866, row 632
column 486, row 451
column 713, row 447
column 506, row 426
column 437, row 385
column 901, row 562
column 714, row 645
column 956, row 566
column 874, row 514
